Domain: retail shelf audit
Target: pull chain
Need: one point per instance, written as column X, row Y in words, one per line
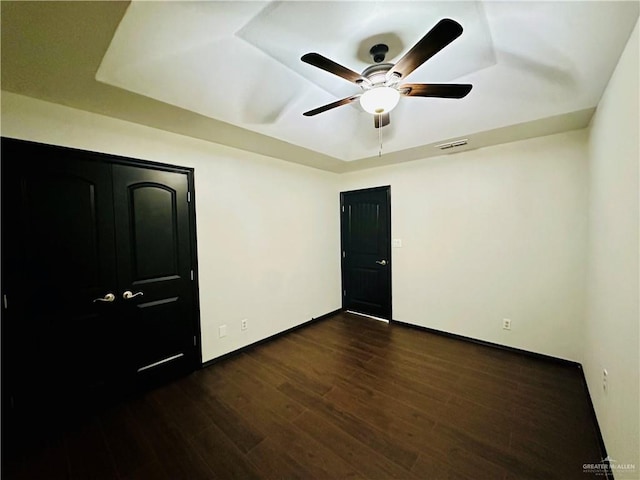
column 380, row 134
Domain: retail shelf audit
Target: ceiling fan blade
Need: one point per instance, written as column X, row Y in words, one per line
column 442, row 90
column 381, row 120
column 445, row 32
column 329, row 106
column 330, row 66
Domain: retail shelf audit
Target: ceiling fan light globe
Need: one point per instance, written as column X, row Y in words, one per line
column 379, row 100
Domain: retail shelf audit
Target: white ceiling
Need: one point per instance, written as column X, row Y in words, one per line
column 230, row 72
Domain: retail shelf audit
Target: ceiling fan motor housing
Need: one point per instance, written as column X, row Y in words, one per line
column 377, row 74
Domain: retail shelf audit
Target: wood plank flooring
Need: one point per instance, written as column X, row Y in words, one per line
column 343, row 398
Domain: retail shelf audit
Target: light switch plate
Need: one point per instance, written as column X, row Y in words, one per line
column 397, row 243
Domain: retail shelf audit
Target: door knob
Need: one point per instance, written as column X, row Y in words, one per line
column 109, row 297
column 381, row 262
column 129, row 294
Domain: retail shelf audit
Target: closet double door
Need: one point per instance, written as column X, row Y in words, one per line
column 98, row 266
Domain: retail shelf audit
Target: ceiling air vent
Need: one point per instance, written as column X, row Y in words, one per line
column 457, row 143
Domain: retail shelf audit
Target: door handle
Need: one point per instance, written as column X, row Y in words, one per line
column 109, row 297
column 381, row 262
column 129, row 294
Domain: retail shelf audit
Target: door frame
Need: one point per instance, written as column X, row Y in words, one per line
column 387, row 189
column 121, row 160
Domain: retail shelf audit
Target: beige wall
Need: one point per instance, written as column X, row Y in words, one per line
column 489, row 234
column 612, row 316
column 268, row 230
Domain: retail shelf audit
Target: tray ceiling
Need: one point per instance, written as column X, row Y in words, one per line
column 234, row 68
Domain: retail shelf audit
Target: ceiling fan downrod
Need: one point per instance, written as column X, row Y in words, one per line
column 378, row 52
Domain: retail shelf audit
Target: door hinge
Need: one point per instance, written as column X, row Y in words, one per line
column 342, row 208
column 4, row 301
column 195, row 342
column 188, row 196
column 343, row 254
column 344, row 293
column 192, row 275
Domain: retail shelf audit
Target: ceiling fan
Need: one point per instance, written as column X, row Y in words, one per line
column 380, row 82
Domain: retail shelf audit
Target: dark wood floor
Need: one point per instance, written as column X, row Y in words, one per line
column 345, row 397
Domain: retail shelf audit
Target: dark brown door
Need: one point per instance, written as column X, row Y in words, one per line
column 154, row 265
column 79, row 230
column 366, row 251
column 58, row 257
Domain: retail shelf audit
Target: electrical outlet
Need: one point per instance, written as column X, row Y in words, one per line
column 243, row 324
column 605, row 384
column 506, row 324
column 222, row 331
